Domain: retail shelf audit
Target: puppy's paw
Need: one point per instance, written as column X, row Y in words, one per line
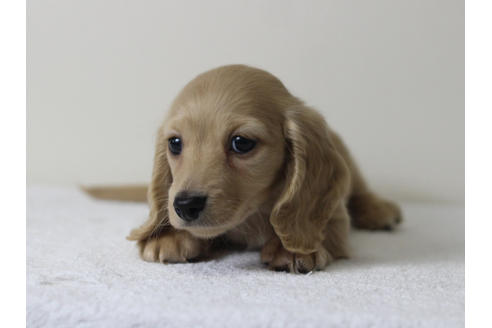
column 278, row 258
column 370, row 212
column 172, row 247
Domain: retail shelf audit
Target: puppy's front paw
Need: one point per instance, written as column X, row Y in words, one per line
column 172, row 247
column 279, row 259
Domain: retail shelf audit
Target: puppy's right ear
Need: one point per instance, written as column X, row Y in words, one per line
column 157, row 196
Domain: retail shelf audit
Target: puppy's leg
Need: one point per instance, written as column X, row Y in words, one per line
column 368, row 211
column 337, row 230
column 334, row 246
column 278, row 258
column 173, row 246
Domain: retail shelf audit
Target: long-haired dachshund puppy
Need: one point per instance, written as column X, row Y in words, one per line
column 240, row 159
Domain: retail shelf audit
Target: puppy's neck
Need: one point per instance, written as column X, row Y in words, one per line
column 253, row 233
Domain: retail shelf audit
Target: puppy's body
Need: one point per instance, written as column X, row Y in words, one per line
column 266, row 171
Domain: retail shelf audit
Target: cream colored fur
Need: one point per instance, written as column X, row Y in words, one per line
column 293, row 195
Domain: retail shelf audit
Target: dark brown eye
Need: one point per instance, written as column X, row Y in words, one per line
column 242, row 145
column 175, row 145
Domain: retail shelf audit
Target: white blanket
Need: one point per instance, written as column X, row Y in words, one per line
column 82, row 272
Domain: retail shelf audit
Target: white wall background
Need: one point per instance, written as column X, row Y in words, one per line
column 388, row 75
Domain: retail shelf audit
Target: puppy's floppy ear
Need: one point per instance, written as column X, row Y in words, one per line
column 316, row 183
column 157, row 196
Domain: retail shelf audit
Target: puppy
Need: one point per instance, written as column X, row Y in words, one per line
column 240, row 159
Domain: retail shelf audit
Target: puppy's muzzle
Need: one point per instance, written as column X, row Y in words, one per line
column 189, row 207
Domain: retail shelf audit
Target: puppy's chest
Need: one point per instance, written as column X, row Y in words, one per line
column 252, row 233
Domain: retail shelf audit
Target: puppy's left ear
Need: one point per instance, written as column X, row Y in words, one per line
column 317, row 182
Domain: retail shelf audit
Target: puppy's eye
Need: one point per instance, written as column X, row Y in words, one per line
column 242, row 145
column 175, row 145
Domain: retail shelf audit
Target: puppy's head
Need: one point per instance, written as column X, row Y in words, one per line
column 223, row 142
column 236, row 140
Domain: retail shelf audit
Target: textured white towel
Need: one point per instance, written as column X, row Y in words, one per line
column 82, row 272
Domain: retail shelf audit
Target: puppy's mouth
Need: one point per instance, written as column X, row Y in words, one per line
column 201, row 228
column 207, row 225
column 204, row 226
column 206, row 231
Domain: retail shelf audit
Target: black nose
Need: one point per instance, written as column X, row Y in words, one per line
column 189, row 207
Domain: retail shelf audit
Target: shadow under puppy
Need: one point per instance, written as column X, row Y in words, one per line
column 241, row 159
